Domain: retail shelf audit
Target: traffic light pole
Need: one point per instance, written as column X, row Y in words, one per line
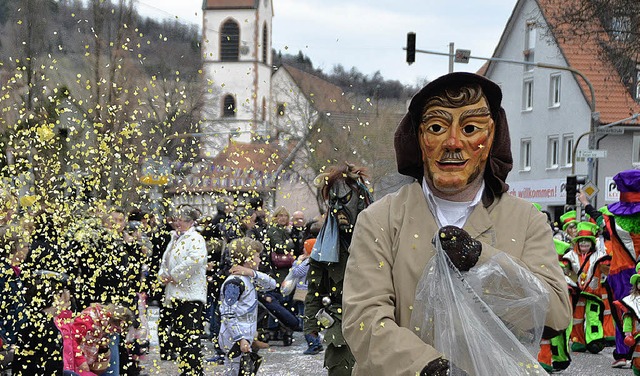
column 592, row 104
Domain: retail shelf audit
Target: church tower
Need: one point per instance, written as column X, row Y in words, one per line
column 236, row 47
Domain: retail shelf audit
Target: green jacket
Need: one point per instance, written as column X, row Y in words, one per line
column 326, row 280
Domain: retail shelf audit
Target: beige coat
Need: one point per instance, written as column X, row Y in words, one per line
column 391, row 246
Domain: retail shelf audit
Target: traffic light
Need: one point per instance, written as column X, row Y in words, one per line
column 411, row 47
column 571, row 188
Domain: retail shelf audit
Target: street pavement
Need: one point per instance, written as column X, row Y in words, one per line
column 588, row 364
column 282, row 360
column 278, row 360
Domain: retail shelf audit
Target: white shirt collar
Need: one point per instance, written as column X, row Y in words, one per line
column 450, row 212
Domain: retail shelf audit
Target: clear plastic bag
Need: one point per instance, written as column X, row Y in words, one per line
column 289, row 283
column 487, row 321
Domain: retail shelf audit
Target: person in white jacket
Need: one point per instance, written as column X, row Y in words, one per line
column 183, row 272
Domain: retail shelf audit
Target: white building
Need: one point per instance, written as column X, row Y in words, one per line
column 258, row 118
column 236, row 47
column 550, row 109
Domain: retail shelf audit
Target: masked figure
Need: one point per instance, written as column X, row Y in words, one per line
column 346, row 194
column 454, row 140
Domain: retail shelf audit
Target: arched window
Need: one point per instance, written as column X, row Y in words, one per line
column 229, row 41
column 229, row 109
column 265, row 39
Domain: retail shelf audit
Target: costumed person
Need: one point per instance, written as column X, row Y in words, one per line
column 623, row 227
column 555, row 353
column 239, row 305
column 569, row 222
column 603, row 241
column 629, row 309
column 588, row 266
column 455, row 141
column 608, row 322
column 343, row 188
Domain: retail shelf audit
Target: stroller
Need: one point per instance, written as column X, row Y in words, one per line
column 273, row 312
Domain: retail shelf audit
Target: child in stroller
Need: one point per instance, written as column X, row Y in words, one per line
column 276, row 322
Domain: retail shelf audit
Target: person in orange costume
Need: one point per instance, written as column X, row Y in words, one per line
column 588, row 266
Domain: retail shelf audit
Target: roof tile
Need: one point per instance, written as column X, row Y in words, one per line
column 325, row 96
column 230, row 4
column 613, row 100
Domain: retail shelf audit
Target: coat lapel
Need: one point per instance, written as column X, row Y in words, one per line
column 480, row 226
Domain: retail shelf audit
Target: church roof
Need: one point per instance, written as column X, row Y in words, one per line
column 250, row 156
column 240, row 166
column 230, row 4
column 325, row 96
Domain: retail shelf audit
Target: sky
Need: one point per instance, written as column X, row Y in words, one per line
column 370, row 34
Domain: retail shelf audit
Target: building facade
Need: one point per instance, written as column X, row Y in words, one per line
column 550, row 109
column 236, row 48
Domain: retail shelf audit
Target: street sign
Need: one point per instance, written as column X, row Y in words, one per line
column 590, row 190
column 610, row 130
column 462, row 56
column 592, row 153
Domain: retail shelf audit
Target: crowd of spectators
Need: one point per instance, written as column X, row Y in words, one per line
column 77, row 286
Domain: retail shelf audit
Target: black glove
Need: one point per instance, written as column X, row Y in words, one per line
column 438, row 367
column 441, row 367
column 463, row 251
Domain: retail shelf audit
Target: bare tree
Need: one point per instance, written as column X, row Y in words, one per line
column 362, row 135
column 85, row 103
column 614, row 26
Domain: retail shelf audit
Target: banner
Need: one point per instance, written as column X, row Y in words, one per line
column 547, row 191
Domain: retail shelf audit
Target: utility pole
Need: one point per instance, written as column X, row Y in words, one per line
column 451, row 57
